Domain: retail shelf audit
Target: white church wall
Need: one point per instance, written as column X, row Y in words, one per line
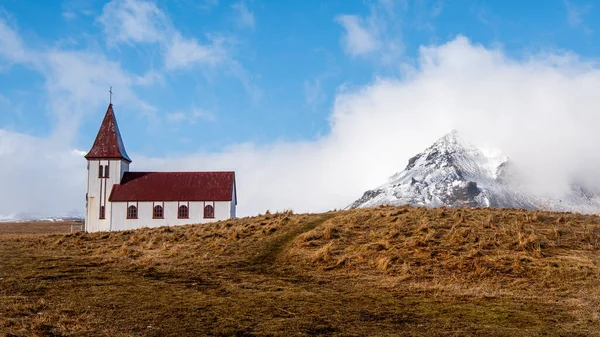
column 98, row 192
column 170, row 214
column 96, row 198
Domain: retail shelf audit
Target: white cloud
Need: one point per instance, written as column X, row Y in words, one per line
column 39, row 176
column 244, row 17
column 191, row 116
column 77, row 84
column 575, row 15
column 208, row 4
column 185, row 52
column 12, row 48
column 137, row 21
column 72, row 79
column 377, row 35
column 43, row 174
column 129, row 21
column 541, row 111
column 359, row 39
column 69, row 15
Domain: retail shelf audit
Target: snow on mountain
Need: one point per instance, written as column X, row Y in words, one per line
column 26, row 217
column 454, row 173
column 6, row 218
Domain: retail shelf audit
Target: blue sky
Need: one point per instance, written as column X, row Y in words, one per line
column 193, row 78
column 290, row 59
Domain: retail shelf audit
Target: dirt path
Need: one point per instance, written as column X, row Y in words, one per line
column 265, row 260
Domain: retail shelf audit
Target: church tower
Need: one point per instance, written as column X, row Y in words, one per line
column 107, row 162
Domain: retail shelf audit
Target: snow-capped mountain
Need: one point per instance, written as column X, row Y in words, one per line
column 32, row 217
column 453, row 173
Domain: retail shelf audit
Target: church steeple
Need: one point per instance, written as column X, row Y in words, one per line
column 107, row 163
column 108, row 143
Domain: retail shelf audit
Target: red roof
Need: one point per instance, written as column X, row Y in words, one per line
column 108, row 143
column 175, row 186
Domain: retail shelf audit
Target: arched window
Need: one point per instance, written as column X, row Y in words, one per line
column 183, row 212
column 209, row 211
column 105, row 171
column 102, row 212
column 158, row 212
column 132, row 212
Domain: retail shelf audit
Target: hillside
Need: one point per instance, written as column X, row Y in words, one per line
column 383, row 271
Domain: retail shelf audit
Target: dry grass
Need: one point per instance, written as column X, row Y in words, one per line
column 382, row 271
column 36, row 227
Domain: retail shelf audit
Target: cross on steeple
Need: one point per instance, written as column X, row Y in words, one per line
column 110, row 91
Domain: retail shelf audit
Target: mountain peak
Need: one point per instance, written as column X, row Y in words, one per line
column 450, row 137
column 455, row 173
column 451, row 141
column 443, row 152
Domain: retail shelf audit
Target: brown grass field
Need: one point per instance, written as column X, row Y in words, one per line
column 386, row 271
column 36, row 227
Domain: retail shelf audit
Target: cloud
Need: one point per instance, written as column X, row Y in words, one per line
column 12, row 48
column 377, row 35
column 69, row 15
column 133, row 21
column 136, row 21
column 190, row 117
column 575, row 15
column 244, row 17
column 208, row 4
column 44, row 174
column 72, row 82
column 73, row 9
column 184, row 52
column 541, row 111
column 72, row 79
column 39, row 176
column 359, row 39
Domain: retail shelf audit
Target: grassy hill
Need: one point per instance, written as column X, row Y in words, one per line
column 368, row 272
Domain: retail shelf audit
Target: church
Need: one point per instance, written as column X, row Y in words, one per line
column 118, row 199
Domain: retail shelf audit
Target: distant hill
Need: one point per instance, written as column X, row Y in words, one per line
column 35, row 217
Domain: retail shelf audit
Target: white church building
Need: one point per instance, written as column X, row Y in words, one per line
column 118, row 199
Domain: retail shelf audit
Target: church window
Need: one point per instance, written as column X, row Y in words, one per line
column 132, row 212
column 183, row 212
column 102, row 212
column 209, row 211
column 158, row 212
column 103, row 171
